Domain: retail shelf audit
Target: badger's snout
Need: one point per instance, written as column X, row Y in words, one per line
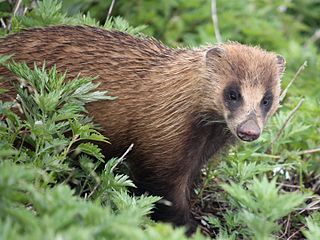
column 248, row 131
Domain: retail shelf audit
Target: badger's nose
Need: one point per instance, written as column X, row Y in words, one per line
column 248, row 131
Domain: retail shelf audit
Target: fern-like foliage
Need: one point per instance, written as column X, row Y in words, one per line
column 50, row 185
column 49, row 12
column 260, row 205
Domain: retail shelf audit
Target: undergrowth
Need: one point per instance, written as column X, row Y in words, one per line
column 47, row 152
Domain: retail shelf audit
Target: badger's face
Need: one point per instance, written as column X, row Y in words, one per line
column 247, row 86
column 246, row 109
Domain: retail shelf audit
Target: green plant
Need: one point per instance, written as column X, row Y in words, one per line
column 261, row 205
column 40, row 161
column 313, row 225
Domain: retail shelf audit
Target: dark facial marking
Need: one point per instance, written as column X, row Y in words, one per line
column 266, row 102
column 232, row 97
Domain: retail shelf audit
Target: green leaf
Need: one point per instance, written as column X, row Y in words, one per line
column 92, row 150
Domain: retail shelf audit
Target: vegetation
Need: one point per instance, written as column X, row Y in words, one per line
column 49, row 184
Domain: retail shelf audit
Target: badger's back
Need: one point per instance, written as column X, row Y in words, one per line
column 153, row 104
column 91, row 51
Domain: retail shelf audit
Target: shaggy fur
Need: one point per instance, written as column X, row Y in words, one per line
column 169, row 101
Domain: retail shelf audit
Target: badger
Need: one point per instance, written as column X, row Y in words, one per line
column 179, row 107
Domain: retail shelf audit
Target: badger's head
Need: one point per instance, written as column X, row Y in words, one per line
column 245, row 82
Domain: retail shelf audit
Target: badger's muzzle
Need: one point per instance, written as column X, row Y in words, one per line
column 248, row 131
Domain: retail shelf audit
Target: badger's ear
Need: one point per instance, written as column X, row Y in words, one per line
column 281, row 62
column 214, row 53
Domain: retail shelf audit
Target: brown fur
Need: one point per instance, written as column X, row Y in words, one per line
column 169, row 101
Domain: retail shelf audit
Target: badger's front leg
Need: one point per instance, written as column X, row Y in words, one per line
column 174, row 207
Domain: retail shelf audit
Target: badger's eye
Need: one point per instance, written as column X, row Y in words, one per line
column 233, row 95
column 266, row 101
